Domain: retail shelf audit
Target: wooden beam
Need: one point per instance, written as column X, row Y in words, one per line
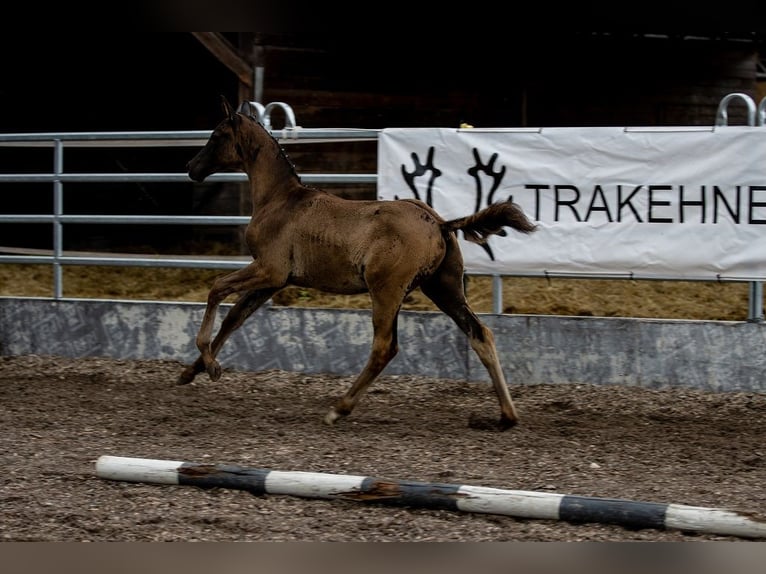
column 227, row 54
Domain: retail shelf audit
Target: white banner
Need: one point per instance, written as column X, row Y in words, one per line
column 651, row 203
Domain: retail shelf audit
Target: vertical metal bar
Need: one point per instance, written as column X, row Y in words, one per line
column 755, row 312
column 258, row 72
column 760, row 115
column 58, row 211
column 755, row 114
column 497, row 294
column 755, row 302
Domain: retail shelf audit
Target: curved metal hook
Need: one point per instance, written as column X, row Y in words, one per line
column 289, row 114
column 253, row 109
column 722, row 116
column 761, row 119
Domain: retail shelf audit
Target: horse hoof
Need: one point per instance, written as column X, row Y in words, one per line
column 506, row 423
column 186, row 376
column 331, row 417
column 214, row 371
column 184, row 379
column 478, row 422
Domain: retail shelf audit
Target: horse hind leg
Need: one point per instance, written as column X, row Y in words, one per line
column 484, row 346
column 450, row 298
column 385, row 346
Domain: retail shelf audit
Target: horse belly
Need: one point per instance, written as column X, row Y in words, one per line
column 326, row 275
column 330, row 284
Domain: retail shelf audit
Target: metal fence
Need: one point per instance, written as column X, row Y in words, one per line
column 289, row 134
column 59, row 142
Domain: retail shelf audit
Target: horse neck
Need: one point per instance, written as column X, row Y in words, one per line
column 270, row 172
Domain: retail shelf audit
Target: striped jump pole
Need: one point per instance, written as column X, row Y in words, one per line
column 455, row 497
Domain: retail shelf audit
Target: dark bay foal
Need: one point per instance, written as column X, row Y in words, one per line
column 299, row 235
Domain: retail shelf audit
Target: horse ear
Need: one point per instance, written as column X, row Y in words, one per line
column 227, row 109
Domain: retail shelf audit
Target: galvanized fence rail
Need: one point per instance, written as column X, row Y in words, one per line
column 58, row 142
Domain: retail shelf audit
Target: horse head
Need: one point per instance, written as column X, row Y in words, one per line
column 222, row 152
column 236, row 144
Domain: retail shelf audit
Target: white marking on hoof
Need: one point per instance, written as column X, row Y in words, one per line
column 331, row 417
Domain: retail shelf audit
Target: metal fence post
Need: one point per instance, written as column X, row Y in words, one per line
column 755, row 297
column 58, row 211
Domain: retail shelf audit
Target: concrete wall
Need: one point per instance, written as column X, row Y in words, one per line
column 534, row 349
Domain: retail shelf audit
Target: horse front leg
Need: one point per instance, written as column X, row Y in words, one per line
column 249, row 279
column 237, row 315
column 204, row 334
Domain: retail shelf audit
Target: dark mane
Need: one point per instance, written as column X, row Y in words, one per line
column 280, row 150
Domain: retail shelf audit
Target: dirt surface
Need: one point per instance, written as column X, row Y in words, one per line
column 58, row 416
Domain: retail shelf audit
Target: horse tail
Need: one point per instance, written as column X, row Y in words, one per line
column 490, row 221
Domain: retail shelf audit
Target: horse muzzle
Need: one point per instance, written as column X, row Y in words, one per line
column 195, row 173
